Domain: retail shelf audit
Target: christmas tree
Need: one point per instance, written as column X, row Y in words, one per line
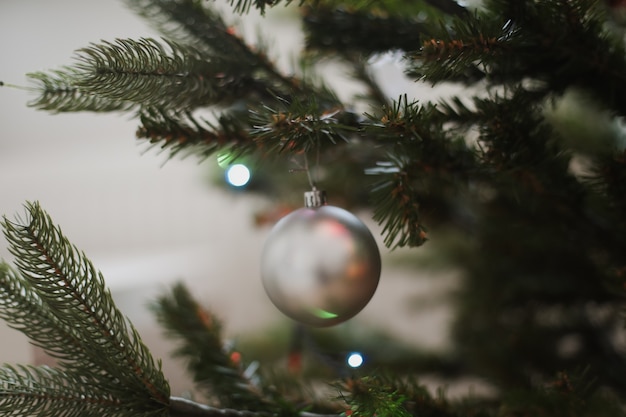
column 505, row 182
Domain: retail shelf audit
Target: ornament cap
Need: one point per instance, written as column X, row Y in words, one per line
column 314, row 198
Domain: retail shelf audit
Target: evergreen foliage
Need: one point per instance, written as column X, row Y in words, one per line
column 544, row 253
column 59, row 300
column 212, row 367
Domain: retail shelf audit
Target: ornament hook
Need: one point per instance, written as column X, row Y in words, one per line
column 314, row 198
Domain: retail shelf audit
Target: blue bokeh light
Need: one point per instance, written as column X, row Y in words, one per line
column 355, row 360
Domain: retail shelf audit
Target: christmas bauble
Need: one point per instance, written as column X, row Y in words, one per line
column 320, row 264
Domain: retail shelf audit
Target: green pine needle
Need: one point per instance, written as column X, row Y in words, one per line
column 187, row 134
column 189, row 22
column 368, row 397
column 78, row 311
column 339, row 28
column 298, row 126
column 48, row 392
column 58, row 92
column 150, row 73
column 419, row 166
column 126, row 74
column 24, row 310
column 393, row 396
column 199, row 334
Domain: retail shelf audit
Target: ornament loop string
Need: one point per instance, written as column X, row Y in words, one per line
column 312, row 182
column 313, row 177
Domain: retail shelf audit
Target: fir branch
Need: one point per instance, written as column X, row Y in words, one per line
column 196, row 23
column 349, row 31
column 190, row 22
column 24, row 310
column 149, row 73
column 59, row 93
column 463, row 51
column 75, row 293
column 199, row 333
column 578, row 48
column 556, row 44
column 369, row 397
column 300, row 127
column 424, row 164
column 514, row 139
column 186, row 133
column 384, row 395
column 399, row 214
column 48, row 392
column 128, row 73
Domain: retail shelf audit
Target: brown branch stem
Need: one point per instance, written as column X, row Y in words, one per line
column 182, row 407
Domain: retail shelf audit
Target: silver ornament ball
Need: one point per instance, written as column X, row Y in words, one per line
column 320, row 265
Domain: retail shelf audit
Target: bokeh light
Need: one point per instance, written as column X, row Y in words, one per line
column 355, row 360
column 238, row 175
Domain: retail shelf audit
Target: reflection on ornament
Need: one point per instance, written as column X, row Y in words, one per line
column 320, row 264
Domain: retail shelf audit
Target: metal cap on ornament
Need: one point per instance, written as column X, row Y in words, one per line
column 314, row 198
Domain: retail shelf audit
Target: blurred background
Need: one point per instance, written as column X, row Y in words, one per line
column 147, row 221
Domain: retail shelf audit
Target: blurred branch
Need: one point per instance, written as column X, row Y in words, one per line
column 182, row 407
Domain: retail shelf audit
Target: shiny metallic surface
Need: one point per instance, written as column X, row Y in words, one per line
column 320, row 266
column 315, row 198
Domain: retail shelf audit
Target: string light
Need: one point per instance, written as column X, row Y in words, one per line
column 355, row 360
column 238, row 175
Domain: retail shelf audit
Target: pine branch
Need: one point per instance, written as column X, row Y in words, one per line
column 59, row 93
column 301, row 126
column 199, row 333
column 402, row 224
column 196, row 23
column 24, row 310
column 369, row 397
column 555, row 44
column 47, row 392
column 160, row 75
column 186, row 22
column 425, row 164
column 67, row 282
column 464, row 51
column 348, row 31
column 386, row 396
column 145, row 73
column 184, row 133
